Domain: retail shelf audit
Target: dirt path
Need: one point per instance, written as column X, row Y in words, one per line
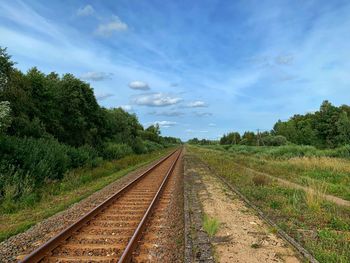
column 242, row 236
column 331, row 198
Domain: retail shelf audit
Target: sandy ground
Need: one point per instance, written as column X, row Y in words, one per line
column 242, row 235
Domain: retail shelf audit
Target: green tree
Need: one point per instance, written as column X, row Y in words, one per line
column 6, row 67
column 249, row 138
column 5, row 116
column 343, row 128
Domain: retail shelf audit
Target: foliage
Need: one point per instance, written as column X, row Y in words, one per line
column 328, row 127
column 33, row 162
column 116, row 151
column 5, row 118
column 231, row 138
column 50, row 124
column 202, row 141
column 277, row 140
column 59, row 195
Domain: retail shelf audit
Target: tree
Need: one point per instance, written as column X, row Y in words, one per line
column 231, row 138
column 343, row 128
column 6, row 67
column 249, row 138
column 5, row 116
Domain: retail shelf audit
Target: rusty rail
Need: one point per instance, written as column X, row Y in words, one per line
column 43, row 251
column 127, row 254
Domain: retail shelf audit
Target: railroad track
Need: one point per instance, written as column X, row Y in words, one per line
column 111, row 231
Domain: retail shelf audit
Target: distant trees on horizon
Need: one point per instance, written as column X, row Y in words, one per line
column 329, row 127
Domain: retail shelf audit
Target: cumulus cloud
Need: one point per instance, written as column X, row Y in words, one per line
column 96, row 76
column 103, row 96
column 115, row 25
column 212, row 125
column 138, row 85
column 165, row 124
column 197, row 104
column 87, row 10
column 156, row 100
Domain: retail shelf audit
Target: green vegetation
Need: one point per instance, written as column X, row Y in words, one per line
column 304, row 165
column 17, row 216
column 210, row 225
column 320, row 226
column 51, row 125
column 329, row 127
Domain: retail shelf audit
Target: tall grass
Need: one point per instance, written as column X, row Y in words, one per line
column 314, row 196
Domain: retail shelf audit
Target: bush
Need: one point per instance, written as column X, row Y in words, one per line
column 27, row 163
column 277, row 140
column 138, row 146
column 116, row 151
column 81, row 156
column 152, row 146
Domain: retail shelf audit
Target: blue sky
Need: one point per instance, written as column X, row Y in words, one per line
column 199, row 68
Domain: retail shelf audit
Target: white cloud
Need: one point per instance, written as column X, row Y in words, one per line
column 212, row 125
column 85, row 11
column 167, row 113
column 138, row 85
column 165, row 124
column 96, row 76
column 197, row 104
column 116, row 25
column 155, row 100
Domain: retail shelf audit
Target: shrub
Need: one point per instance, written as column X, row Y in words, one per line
column 152, row 146
column 138, row 146
column 81, row 156
column 116, row 151
column 277, row 140
column 27, row 163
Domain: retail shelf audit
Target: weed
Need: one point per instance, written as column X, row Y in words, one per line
column 314, row 196
column 255, row 245
column 210, row 225
column 260, row 180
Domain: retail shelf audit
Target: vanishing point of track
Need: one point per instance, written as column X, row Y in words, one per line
column 111, row 231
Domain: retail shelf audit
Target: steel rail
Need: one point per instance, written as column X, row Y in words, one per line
column 43, row 251
column 133, row 242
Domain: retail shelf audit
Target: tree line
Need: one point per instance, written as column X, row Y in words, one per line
column 329, row 127
column 50, row 124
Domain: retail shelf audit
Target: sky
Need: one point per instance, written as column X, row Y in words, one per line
column 198, row 68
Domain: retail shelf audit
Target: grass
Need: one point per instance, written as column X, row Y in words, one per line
column 298, row 166
column 16, row 217
column 320, row 226
column 210, row 225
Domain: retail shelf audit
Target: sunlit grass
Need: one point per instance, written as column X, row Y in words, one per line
column 210, row 225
